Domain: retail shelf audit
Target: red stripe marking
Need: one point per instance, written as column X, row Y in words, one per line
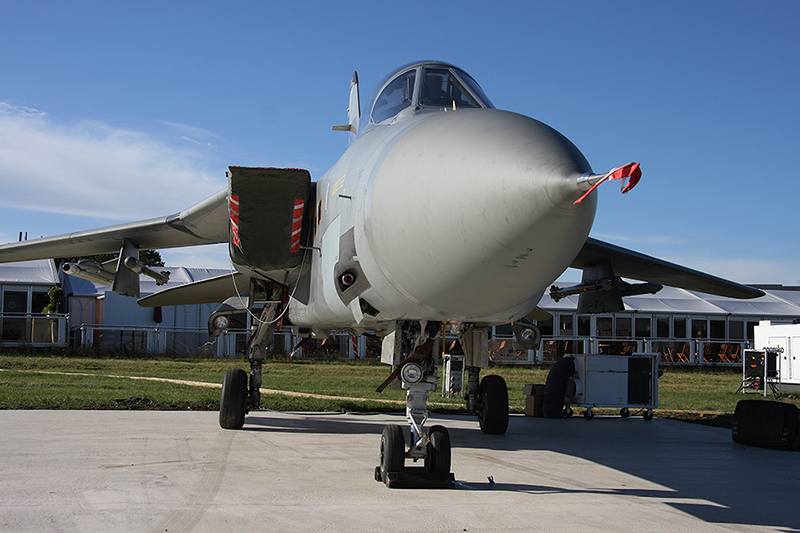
column 297, row 224
column 233, row 209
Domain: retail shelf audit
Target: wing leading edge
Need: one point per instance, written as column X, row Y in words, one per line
column 211, row 290
column 634, row 265
column 203, row 223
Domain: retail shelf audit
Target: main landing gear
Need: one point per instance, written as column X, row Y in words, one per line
column 418, row 373
column 489, row 401
column 237, row 398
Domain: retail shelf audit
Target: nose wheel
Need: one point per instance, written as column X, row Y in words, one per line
column 437, row 459
column 435, row 472
column 393, row 452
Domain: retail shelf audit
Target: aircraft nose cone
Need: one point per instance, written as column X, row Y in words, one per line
column 484, row 200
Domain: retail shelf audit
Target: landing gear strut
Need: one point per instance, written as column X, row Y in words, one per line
column 237, row 398
column 487, row 398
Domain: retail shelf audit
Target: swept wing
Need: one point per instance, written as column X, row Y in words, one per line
column 203, row 223
column 634, row 265
column 211, row 290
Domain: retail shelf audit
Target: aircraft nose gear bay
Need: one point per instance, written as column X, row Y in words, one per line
column 444, row 217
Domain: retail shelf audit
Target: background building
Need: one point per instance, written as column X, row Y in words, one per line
column 686, row 327
column 24, row 293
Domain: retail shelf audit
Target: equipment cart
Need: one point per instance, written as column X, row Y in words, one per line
column 622, row 381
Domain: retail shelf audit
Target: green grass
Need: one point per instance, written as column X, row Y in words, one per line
column 58, row 382
column 27, row 390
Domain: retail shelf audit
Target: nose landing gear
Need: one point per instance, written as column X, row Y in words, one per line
column 487, row 398
column 431, row 445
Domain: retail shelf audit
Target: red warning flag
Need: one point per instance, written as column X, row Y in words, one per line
column 632, row 171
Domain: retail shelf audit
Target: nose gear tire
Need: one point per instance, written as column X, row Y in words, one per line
column 437, row 458
column 393, row 450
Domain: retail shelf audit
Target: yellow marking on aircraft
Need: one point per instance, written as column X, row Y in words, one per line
column 338, row 185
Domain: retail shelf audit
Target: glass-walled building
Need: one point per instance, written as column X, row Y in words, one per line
column 685, row 327
column 24, row 297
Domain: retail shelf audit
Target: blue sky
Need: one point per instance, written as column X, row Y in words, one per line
column 112, row 111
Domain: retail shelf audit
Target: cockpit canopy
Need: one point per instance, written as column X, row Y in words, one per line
column 425, row 86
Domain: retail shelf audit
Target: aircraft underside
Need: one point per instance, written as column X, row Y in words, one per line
column 413, row 349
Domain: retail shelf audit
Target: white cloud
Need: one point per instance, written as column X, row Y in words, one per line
column 93, row 169
column 192, row 134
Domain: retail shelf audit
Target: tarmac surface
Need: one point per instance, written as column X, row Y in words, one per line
column 178, row 471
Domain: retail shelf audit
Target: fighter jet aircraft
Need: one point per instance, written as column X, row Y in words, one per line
column 445, row 214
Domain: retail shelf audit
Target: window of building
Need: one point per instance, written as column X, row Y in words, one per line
column 662, row 327
column 679, row 327
column 39, row 300
column 15, row 303
column 751, row 332
column 604, row 328
column 736, row 330
column 717, row 329
column 624, row 328
column 584, row 325
column 699, row 328
column 644, row 326
column 565, row 325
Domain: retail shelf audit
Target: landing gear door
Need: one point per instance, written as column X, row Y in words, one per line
column 269, row 214
column 475, row 342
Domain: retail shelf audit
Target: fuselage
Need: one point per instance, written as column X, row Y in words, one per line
column 461, row 214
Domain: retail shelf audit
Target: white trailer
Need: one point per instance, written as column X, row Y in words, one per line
column 622, row 381
column 786, row 339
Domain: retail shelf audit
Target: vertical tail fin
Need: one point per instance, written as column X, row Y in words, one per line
column 353, row 110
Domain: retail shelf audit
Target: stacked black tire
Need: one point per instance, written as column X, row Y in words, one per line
column 767, row 424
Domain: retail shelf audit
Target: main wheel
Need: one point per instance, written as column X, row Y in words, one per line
column 588, row 414
column 393, row 450
column 624, row 412
column 493, row 416
column 437, row 458
column 233, row 403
